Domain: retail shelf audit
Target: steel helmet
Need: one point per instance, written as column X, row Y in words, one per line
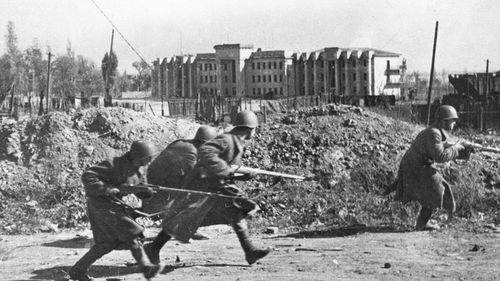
column 142, row 149
column 446, row 112
column 206, row 133
column 246, row 118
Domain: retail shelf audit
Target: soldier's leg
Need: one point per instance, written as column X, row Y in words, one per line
column 423, row 220
column 148, row 269
column 79, row 271
column 153, row 249
column 239, row 224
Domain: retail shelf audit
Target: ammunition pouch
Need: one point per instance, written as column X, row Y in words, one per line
column 465, row 154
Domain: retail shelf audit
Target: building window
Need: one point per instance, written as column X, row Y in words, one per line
column 259, row 92
column 211, row 79
column 258, row 78
column 275, row 78
column 270, row 78
column 253, row 65
column 253, row 79
column 354, row 76
column 322, row 77
column 275, row 66
column 210, row 65
column 253, row 91
column 269, row 65
column 215, row 80
column 281, row 65
column 354, row 89
column 225, row 66
column 353, row 63
column 201, row 79
column 201, row 67
column 227, row 92
column 263, row 65
column 225, row 78
column 276, row 90
column 258, row 65
column 365, row 76
column 281, row 78
column 322, row 89
column 365, row 63
column 206, row 79
column 281, row 91
column 264, row 78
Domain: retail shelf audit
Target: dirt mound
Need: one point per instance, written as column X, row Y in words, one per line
column 351, row 153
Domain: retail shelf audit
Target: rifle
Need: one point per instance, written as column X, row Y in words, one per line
column 147, row 188
column 247, row 170
column 475, row 146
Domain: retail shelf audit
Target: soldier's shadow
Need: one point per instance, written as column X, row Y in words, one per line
column 112, row 273
column 77, row 243
column 333, row 232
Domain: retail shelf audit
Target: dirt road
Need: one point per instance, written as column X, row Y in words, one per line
column 337, row 254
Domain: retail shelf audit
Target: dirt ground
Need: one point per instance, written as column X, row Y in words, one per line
column 356, row 253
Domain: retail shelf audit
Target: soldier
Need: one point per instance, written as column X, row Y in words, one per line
column 214, row 173
column 170, row 169
column 418, row 179
column 111, row 219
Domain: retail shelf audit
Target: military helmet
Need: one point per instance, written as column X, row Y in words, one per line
column 246, row 118
column 206, row 133
column 142, row 149
column 446, row 112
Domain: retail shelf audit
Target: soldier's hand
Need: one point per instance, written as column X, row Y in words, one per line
column 113, row 191
column 460, row 146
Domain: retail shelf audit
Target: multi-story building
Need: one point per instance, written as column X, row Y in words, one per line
column 236, row 70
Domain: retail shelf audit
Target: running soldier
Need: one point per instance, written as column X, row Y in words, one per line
column 418, row 178
column 214, row 172
column 111, row 219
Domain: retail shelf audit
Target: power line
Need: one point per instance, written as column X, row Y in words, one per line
column 130, row 45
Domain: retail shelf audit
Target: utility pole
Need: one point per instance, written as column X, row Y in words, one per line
column 432, row 76
column 48, row 84
column 487, row 88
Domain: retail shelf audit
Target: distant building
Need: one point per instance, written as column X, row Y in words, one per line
column 236, row 70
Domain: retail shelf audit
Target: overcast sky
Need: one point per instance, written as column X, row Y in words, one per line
column 468, row 32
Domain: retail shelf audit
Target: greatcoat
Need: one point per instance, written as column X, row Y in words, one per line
column 418, row 178
column 110, row 218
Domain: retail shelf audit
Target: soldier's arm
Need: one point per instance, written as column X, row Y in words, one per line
column 439, row 151
column 209, row 157
column 94, row 180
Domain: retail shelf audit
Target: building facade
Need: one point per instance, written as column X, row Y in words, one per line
column 237, row 70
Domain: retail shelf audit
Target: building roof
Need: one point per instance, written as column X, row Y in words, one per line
column 274, row 54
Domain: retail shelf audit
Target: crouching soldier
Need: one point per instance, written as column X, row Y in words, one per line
column 111, row 219
column 214, row 173
column 418, row 178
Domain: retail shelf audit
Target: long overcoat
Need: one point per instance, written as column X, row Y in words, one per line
column 418, row 178
column 211, row 174
column 110, row 219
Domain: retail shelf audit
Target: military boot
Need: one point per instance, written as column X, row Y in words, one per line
column 148, row 269
column 79, row 271
column 153, row 249
column 423, row 223
column 252, row 253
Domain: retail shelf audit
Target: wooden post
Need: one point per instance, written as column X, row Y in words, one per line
column 48, row 85
column 432, row 76
column 481, row 119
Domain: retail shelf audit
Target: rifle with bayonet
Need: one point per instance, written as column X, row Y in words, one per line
column 146, row 188
column 241, row 170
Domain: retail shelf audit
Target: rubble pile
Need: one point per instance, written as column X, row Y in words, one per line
column 346, row 149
